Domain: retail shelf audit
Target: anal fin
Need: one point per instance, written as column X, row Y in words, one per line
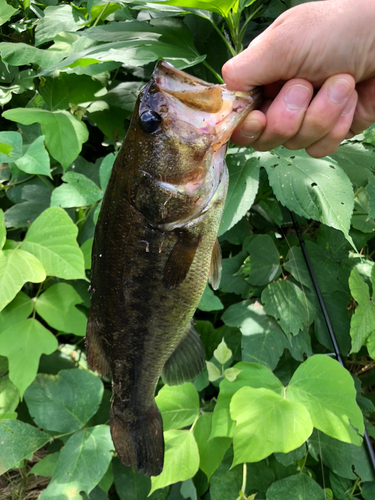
column 216, row 266
column 179, row 260
column 187, row 360
column 95, row 356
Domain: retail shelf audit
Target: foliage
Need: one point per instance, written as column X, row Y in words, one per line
column 273, row 415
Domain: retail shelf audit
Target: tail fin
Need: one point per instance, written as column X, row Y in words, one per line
column 139, row 442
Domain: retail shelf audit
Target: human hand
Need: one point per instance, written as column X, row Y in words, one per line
column 327, row 47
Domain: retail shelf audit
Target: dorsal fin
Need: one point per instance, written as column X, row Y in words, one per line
column 179, row 260
column 216, row 266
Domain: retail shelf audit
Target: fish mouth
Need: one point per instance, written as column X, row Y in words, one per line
column 210, row 108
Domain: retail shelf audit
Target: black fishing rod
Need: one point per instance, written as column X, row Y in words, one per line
column 306, row 256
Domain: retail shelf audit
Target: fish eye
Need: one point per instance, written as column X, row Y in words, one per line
column 150, row 121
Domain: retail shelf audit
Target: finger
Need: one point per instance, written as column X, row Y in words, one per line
column 285, row 114
column 364, row 115
column 329, row 143
column 250, row 129
column 324, row 111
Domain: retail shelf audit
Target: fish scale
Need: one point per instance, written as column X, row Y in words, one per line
column 154, row 248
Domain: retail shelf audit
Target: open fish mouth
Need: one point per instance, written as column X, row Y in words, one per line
column 209, row 108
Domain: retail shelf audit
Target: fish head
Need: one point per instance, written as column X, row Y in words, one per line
column 181, row 126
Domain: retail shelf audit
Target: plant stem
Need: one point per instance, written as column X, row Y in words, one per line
column 101, row 13
column 205, row 63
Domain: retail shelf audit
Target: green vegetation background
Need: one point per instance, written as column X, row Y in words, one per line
column 273, row 416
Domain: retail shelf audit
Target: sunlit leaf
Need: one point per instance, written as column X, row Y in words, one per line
column 178, row 405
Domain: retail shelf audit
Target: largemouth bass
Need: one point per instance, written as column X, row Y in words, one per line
column 155, row 246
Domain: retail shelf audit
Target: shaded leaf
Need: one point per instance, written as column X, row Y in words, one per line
column 295, row 488
column 130, row 484
column 35, row 159
column 209, row 301
column 264, row 260
column 79, row 191
column 64, row 402
column 57, row 19
column 46, row 466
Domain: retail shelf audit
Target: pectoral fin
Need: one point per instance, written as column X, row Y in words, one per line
column 216, row 266
column 179, row 260
column 186, row 361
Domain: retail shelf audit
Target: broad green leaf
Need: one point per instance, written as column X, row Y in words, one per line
column 13, row 140
column 3, row 231
column 19, row 441
column 226, row 482
column 368, row 490
column 264, row 260
column 60, row 91
column 355, row 159
column 64, row 402
column 340, row 485
column 327, row 390
column 6, row 11
column 333, row 242
column 209, row 301
column 23, row 343
column 263, row 341
column 18, row 54
column 211, row 451
column 18, row 310
column 346, row 460
column 251, row 375
column 287, row 459
column 52, row 238
column 9, row 397
column 221, row 7
column 82, row 463
column 46, row 466
column 231, row 374
column 86, row 250
column 313, row 188
column 222, row 353
column 288, row 305
column 35, row 159
column 5, row 148
column 242, row 189
column 106, row 169
column 178, row 405
column 362, row 325
column 16, row 268
column 266, row 422
column 57, row 19
column 231, row 282
column 181, row 460
column 296, row 487
column 130, row 484
column 64, row 134
column 79, row 191
column 370, row 188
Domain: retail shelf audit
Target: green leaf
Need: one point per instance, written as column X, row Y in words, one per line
column 6, row 12
column 221, row 7
column 368, row 490
column 327, row 390
column 64, row 402
column 231, row 282
column 263, row 341
column 57, row 307
column 87, row 250
column 242, row 189
column 18, row 310
column 106, row 169
column 16, row 268
column 355, row 159
column 57, row 19
column 5, row 149
column 209, row 301
column 46, row 466
column 178, row 405
column 181, row 460
column 296, row 487
column 213, row 371
column 313, row 188
column 60, row 91
column 362, row 325
column 3, row 231
column 130, row 484
column 266, row 422
column 79, row 191
column 226, row 482
column 64, row 134
column 35, row 159
column 23, row 343
column 19, row 54
column 19, row 441
column 288, row 305
column 264, row 260
column 211, row 451
column 9, row 397
column 82, row 463
column 52, row 238
column 14, row 141
column 222, row 353
column 346, row 460
column 251, row 375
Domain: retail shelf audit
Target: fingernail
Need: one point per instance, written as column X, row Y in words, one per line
column 339, row 91
column 250, row 129
column 297, row 97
